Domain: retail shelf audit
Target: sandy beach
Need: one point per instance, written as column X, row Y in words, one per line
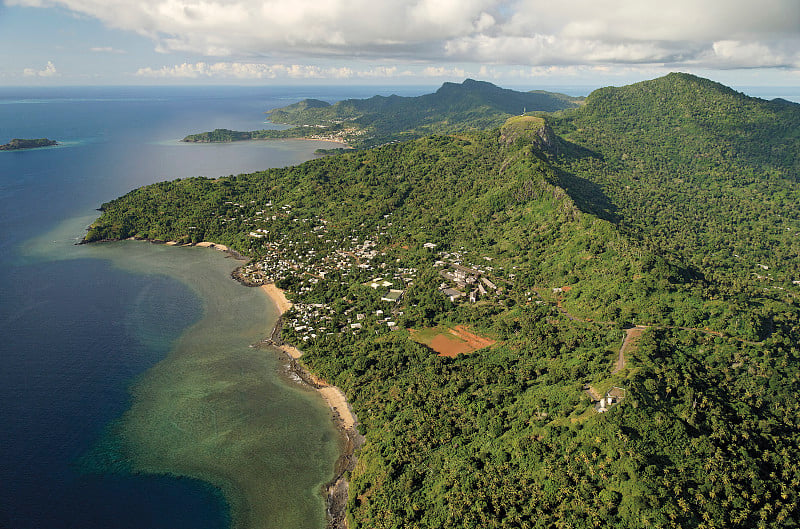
column 207, row 244
column 332, row 395
column 278, row 297
column 336, row 491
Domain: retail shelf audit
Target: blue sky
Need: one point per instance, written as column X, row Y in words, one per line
column 509, row 42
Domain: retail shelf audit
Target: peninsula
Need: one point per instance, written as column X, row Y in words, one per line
column 18, row 144
column 554, row 320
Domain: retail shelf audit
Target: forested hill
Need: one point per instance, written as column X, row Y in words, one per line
column 669, row 204
column 452, row 108
column 697, row 170
column 471, row 105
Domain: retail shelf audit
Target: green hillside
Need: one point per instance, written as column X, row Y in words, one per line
column 452, row 108
column 669, row 204
column 699, row 172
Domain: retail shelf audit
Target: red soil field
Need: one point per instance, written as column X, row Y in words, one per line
column 458, row 340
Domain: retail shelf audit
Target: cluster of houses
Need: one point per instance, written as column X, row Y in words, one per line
column 317, row 256
column 341, row 135
column 310, row 320
column 313, row 254
column 465, row 282
column 310, row 258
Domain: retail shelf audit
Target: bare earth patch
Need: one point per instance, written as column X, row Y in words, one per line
column 452, row 341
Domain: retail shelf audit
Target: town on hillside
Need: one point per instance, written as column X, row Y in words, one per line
column 320, row 260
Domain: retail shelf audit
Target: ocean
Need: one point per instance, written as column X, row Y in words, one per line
column 104, row 414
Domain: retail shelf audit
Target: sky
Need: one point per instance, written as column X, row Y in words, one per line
column 390, row 42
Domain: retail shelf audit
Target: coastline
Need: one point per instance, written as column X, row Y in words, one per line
column 335, row 492
column 206, row 410
column 344, row 418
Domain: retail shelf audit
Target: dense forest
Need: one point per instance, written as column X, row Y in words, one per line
column 669, row 205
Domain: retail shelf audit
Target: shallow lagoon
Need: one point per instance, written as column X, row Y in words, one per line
column 219, row 410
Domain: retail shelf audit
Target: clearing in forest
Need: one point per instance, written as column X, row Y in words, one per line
column 451, row 341
column 631, row 340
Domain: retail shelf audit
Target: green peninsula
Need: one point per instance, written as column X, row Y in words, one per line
column 584, row 318
column 362, row 123
column 227, row 136
column 19, row 144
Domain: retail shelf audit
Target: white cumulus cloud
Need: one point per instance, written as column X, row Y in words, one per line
column 48, row 71
column 714, row 33
column 242, row 71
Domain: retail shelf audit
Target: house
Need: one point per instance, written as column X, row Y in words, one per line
column 452, row 293
column 613, row 396
column 462, row 274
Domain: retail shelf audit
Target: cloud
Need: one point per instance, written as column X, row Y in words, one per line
column 107, row 49
column 242, row 71
column 738, row 54
column 49, row 71
column 714, row 33
column 442, row 72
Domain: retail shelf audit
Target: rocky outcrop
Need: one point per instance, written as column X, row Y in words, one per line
column 530, row 129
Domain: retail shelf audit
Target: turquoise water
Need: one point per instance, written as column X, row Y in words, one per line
column 86, row 328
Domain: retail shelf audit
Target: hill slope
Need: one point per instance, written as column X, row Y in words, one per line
column 697, row 171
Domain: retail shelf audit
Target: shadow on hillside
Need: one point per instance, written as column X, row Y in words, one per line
column 588, row 196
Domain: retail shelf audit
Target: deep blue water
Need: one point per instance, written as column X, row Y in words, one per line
column 71, row 340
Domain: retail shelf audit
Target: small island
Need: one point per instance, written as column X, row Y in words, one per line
column 18, row 144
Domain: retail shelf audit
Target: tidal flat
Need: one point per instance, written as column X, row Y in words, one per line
column 218, row 410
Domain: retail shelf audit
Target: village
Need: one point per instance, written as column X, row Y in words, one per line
column 309, row 256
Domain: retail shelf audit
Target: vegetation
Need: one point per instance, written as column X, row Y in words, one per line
column 669, row 204
column 17, row 144
column 227, row 136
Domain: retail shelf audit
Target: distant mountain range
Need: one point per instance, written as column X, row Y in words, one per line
column 471, row 105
